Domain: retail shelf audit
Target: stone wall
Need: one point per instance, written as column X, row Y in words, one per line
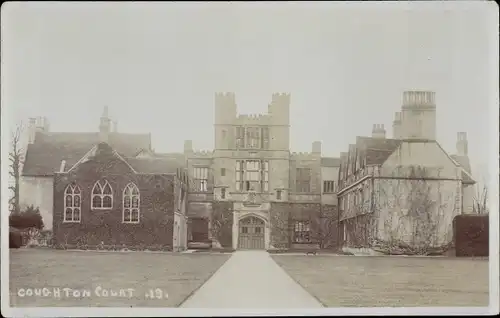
column 155, row 229
column 323, row 222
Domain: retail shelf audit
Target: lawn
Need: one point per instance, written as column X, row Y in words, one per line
column 103, row 279
column 352, row 281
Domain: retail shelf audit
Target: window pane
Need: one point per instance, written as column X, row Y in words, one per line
column 97, row 189
column 96, row 202
column 69, row 201
column 76, row 201
column 126, row 215
column 135, row 202
column 135, row 215
column 107, row 189
column 76, row 214
column 68, row 215
column 107, row 202
column 135, row 191
column 126, row 202
column 76, row 190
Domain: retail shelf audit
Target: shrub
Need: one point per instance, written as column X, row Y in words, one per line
column 15, row 238
column 29, row 218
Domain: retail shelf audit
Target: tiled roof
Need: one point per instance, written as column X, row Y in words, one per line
column 44, row 156
column 156, row 165
column 330, row 162
column 377, row 150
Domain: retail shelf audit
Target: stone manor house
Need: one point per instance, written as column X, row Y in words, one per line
column 406, row 188
column 250, row 192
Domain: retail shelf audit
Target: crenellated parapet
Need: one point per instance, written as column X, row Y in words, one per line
column 225, row 98
column 280, row 98
column 304, row 155
column 253, row 119
column 425, row 99
column 279, row 108
column 203, row 153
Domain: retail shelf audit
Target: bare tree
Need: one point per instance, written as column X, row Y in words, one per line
column 324, row 228
column 480, row 201
column 16, row 159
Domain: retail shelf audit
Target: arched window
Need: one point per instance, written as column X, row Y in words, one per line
column 102, row 195
column 72, row 203
column 131, row 203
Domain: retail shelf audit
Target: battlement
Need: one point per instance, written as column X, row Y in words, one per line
column 225, row 98
column 203, row 153
column 252, row 116
column 303, row 155
column 397, row 117
column 419, row 98
column 378, row 127
column 278, row 98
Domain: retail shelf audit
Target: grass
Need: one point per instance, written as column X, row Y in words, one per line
column 177, row 275
column 351, row 281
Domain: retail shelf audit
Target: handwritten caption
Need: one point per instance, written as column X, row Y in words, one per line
column 99, row 291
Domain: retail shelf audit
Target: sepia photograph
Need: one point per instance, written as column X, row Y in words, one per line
column 249, row 158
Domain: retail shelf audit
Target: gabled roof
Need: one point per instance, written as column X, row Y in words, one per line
column 330, row 162
column 462, row 161
column 44, row 156
column 376, row 150
column 94, row 151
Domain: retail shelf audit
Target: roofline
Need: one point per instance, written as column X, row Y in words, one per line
column 457, row 164
column 87, row 155
column 440, row 147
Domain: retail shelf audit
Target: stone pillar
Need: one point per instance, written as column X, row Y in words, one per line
column 235, row 230
column 267, row 235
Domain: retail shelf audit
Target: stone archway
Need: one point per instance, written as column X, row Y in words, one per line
column 251, row 233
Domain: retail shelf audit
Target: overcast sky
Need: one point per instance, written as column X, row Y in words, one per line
column 158, row 65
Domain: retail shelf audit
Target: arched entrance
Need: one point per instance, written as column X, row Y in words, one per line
column 251, row 233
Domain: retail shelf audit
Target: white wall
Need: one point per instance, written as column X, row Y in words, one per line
column 434, row 204
column 427, row 154
column 38, row 191
column 396, row 195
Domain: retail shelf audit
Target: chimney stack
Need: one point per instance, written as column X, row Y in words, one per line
column 396, row 126
column 462, row 144
column 378, row 131
column 188, row 146
column 104, row 126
